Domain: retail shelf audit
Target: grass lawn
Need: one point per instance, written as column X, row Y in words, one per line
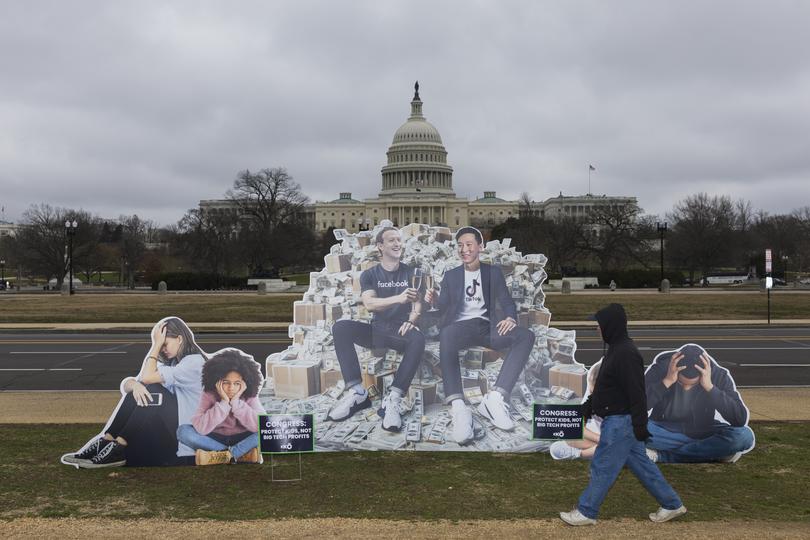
column 148, row 308
column 770, row 483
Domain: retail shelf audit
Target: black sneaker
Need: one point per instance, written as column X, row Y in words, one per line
column 112, row 455
column 87, row 454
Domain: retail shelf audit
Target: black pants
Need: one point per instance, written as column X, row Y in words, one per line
column 348, row 333
column 150, row 432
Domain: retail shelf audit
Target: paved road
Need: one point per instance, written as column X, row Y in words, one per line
column 758, row 356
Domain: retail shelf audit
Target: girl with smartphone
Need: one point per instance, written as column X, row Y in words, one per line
column 142, row 429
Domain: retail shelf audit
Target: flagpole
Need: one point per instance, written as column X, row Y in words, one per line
column 589, row 179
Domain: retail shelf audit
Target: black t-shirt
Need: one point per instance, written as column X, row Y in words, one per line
column 387, row 284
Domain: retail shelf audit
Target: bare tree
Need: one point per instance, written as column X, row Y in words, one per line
column 41, row 242
column 616, row 239
column 208, row 239
column 702, row 236
column 270, row 197
column 132, row 245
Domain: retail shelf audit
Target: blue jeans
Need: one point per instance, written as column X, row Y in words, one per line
column 674, row 447
column 238, row 444
column 618, row 447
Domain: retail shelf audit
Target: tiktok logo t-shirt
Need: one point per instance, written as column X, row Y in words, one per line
column 386, row 284
column 473, row 298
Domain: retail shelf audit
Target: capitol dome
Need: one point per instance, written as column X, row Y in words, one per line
column 417, row 159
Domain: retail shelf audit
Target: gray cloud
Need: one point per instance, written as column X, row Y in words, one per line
column 148, row 107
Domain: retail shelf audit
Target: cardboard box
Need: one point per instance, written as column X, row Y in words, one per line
column 297, row 380
column 333, row 313
column 365, row 265
column 428, row 391
column 298, row 337
column 375, row 380
column 330, row 378
column 442, row 234
column 308, row 313
column 413, row 229
column 534, row 317
column 478, row 357
column 571, row 376
column 338, row 262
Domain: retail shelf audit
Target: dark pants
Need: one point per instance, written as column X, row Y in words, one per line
column 377, row 335
column 150, row 432
column 478, row 332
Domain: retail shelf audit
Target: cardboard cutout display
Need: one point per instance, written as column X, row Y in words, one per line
column 421, row 339
column 696, row 412
column 184, row 407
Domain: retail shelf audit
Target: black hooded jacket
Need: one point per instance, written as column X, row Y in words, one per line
column 619, row 388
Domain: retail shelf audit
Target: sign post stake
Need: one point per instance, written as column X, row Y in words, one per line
column 286, row 434
column 768, row 279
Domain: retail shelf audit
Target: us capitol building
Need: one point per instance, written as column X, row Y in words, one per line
column 417, row 187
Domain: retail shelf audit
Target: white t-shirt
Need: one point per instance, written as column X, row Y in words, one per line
column 473, row 297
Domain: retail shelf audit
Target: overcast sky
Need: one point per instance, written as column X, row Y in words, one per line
column 148, row 107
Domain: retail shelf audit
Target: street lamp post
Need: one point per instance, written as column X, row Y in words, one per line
column 662, row 228
column 70, row 229
column 785, row 260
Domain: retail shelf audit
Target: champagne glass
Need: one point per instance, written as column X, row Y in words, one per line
column 430, row 281
column 416, row 282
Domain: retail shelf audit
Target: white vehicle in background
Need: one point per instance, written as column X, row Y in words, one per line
column 53, row 284
column 731, row 278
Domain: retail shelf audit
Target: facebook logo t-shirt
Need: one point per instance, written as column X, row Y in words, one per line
column 387, row 284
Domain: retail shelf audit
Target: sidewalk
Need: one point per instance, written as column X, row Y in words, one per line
column 55, row 407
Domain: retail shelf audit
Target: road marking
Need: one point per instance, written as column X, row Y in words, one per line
column 67, row 352
column 130, row 342
column 718, row 349
column 774, row 365
column 40, row 369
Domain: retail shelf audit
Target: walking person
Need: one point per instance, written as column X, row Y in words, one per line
column 619, row 398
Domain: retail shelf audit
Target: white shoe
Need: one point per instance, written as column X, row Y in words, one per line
column 575, row 518
column 561, row 450
column 733, row 458
column 350, row 404
column 496, row 410
column 663, row 514
column 462, row 423
column 652, row 454
column 391, row 410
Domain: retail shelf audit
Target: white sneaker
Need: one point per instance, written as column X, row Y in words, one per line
column 350, row 404
column 462, row 423
column 391, row 410
column 652, row 454
column 561, row 450
column 575, row 518
column 663, row 514
column 494, row 408
column 733, row 458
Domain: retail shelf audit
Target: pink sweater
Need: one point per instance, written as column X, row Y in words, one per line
column 215, row 416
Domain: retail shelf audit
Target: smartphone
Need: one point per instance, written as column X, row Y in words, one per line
column 157, row 400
